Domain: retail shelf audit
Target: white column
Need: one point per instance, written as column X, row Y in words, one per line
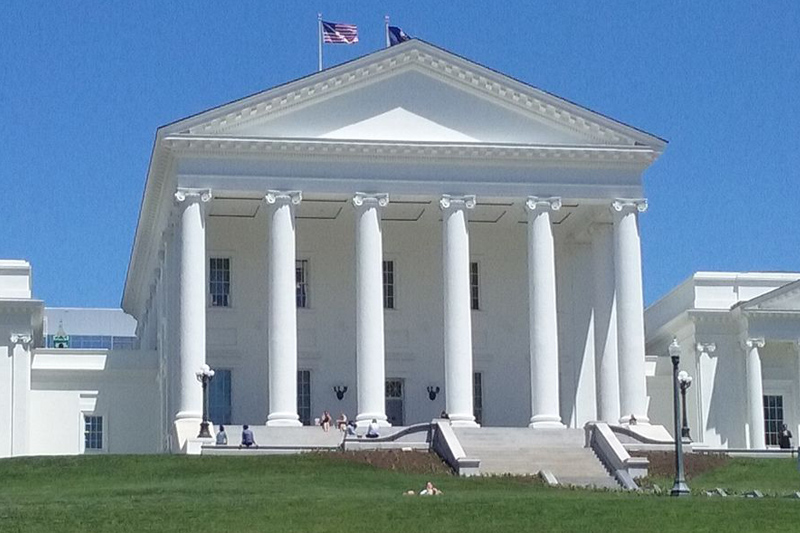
column 282, row 298
column 192, row 314
column 630, row 309
column 20, row 392
column 704, row 389
column 370, row 351
column 545, row 412
column 755, row 394
column 605, row 324
column 457, row 309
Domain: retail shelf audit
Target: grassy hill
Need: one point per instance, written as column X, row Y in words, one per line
column 328, row 492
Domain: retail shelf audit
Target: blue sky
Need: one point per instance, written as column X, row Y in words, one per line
column 84, row 85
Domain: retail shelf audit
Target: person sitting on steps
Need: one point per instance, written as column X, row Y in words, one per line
column 373, row 431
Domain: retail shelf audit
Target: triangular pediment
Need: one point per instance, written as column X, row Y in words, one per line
column 413, row 92
column 785, row 298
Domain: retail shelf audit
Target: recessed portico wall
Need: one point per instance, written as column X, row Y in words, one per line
column 237, row 336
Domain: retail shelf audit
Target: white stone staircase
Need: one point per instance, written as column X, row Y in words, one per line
column 526, row 451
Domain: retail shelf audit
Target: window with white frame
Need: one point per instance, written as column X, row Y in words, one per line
column 388, row 284
column 474, row 286
column 93, row 432
column 301, row 278
column 219, row 276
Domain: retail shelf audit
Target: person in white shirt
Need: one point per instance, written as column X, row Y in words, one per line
column 373, row 431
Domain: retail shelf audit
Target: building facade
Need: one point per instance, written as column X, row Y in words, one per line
column 401, row 235
column 739, row 334
column 411, row 226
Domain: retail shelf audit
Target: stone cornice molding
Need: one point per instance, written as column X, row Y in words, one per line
column 754, row 342
column 283, row 197
column 448, row 201
column 554, row 154
column 706, row 347
column 23, row 339
column 187, row 195
column 535, row 203
column 379, row 199
column 622, row 205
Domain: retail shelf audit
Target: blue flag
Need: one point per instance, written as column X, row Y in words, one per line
column 397, row 36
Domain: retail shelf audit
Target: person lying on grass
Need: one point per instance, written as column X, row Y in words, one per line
column 429, row 490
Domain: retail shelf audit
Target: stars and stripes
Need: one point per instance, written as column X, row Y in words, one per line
column 339, row 33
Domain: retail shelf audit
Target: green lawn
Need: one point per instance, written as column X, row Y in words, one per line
column 317, row 493
column 775, row 477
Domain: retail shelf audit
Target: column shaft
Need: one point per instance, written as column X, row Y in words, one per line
column 755, row 394
column 543, row 329
column 630, row 310
column 192, row 329
column 370, row 351
column 457, row 310
column 20, row 393
column 282, row 313
column 605, row 325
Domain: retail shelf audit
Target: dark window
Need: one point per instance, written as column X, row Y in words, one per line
column 474, row 287
column 301, row 278
column 773, row 418
column 477, row 397
column 220, row 281
column 388, row 284
column 304, row 396
column 93, row 432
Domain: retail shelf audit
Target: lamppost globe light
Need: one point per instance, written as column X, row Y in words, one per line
column 675, row 349
column 684, row 377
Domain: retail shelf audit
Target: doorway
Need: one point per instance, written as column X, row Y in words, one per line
column 394, row 401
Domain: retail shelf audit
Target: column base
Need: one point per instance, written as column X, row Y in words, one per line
column 546, row 422
column 185, row 430
column 364, row 419
column 283, row 420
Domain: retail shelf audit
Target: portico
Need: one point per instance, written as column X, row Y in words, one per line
column 325, row 235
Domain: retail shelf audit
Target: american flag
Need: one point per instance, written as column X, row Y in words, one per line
column 337, row 32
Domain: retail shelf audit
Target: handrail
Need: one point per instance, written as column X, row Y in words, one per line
column 602, row 440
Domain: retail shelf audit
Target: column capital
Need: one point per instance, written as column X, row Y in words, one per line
column 379, row 199
column 620, row 205
column 448, row 201
column 192, row 195
column 754, row 342
column 706, row 347
column 533, row 203
column 283, row 197
column 24, row 339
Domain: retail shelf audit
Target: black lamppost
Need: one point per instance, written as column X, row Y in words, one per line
column 204, row 375
column 685, row 381
column 680, row 488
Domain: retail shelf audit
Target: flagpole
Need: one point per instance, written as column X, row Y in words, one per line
column 319, row 31
column 386, row 27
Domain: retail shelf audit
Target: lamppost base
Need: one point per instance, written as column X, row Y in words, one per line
column 204, row 433
column 679, row 489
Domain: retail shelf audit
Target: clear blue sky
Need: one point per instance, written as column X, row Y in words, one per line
column 84, row 85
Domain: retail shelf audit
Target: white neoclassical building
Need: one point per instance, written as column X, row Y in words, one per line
column 740, row 334
column 404, row 234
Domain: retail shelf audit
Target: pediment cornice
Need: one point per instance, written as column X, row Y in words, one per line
column 310, row 148
column 423, row 57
